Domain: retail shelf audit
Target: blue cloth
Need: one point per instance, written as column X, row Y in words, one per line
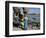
column 25, row 24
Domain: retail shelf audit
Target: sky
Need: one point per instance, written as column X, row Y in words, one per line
column 32, row 10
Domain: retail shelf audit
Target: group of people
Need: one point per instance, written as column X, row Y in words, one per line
column 20, row 19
